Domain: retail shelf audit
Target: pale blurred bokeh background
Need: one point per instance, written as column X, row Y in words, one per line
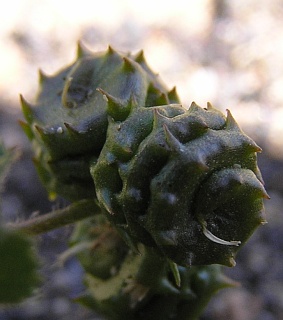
column 227, row 52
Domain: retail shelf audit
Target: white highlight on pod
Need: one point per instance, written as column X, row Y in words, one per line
column 215, row 239
column 60, row 130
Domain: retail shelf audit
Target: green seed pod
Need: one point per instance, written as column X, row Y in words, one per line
column 184, row 182
column 68, row 122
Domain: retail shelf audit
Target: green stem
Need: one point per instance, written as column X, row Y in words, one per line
column 57, row 218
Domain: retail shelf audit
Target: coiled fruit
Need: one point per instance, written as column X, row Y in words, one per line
column 68, row 122
column 185, row 182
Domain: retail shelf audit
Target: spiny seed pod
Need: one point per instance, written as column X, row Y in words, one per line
column 139, row 286
column 68, row 122
column 185, row 182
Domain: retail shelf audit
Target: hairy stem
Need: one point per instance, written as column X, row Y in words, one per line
column 57, row 218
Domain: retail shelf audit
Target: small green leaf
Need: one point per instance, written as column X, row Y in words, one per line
column 18, row 267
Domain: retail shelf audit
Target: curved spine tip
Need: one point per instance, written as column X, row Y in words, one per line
column 162, row 99
column 117, row 108
column 201, row 164
column 209, row 106
column 70, row 129
column 265, row 195
column 173, row 95
column 129, row 65
column 171, row 140
column 42, row 76
column 140, row 57
column 26, row 109
column 158, row 118
column 194, row 107
column 153, row 90
column 106, row 201
column 110, row 50
column 173, row 90
column 252, row 146
column 231, row 124
column 109, row 98
column 256, row 148
column 41, row 132
column 232, row 262
column 82, row 50
column 127, row 150
column 27, row 129
column 194, row 104
column 263, row 222
column 215, row 239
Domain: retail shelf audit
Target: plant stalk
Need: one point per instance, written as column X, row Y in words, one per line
column 57, row 218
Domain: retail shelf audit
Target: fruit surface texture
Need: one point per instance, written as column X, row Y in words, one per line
column 184, row 182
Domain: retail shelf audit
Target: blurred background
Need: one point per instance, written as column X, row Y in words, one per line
column 227, row 52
